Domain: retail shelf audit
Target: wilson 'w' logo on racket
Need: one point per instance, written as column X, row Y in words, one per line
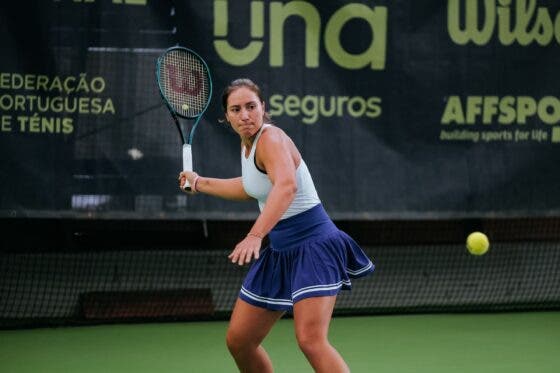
column 190, row 83
column 185, row 86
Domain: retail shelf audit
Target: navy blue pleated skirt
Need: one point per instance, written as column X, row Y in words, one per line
column 308, row 256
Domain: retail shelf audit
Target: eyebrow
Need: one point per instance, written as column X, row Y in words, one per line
column 247, row 103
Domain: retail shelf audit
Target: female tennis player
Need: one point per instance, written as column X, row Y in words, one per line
column 308, row 261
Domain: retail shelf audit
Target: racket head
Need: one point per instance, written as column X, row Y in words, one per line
column 184, row 82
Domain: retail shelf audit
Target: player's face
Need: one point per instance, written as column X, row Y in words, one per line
column 245, row 112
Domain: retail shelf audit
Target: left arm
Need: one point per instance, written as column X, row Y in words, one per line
column 276, row 153
column 276, row 156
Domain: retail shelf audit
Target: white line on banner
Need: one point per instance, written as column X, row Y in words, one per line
column 125, row 50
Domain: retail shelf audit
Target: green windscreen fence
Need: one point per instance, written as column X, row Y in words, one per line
column 74, row 272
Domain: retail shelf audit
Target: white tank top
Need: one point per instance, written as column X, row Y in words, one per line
column 257, row 184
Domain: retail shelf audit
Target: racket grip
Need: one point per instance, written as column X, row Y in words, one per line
column 187, row 164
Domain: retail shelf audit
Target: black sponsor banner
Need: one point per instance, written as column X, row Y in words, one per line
column 428, row 109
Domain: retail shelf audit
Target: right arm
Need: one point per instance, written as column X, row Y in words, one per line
column 231, row 189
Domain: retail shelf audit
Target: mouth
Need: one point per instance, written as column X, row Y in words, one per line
column 246, row 127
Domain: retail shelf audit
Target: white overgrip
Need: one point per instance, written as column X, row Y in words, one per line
column 187, row 163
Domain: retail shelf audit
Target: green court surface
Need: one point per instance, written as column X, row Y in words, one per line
column 500, row 342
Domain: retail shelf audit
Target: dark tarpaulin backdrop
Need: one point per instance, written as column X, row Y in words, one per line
column 430, row 109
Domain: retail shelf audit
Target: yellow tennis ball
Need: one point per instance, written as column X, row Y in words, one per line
column 477, row 243
column 185, row 107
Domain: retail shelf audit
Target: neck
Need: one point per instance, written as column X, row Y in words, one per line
column 248, row 141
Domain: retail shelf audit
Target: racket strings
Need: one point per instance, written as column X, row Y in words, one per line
column 184, row 82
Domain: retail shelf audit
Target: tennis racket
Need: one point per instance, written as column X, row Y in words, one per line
column 185, row 85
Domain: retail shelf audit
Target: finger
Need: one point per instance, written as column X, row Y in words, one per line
column 242, row 257
column 233, row 256
column 249, row 257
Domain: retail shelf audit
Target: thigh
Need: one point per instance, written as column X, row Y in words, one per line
column 250, row 322
column 312, row 316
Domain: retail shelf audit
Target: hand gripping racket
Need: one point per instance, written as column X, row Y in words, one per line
column 185, row 85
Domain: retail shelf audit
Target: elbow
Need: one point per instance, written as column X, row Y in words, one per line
column 290, row 190
column 285, row 190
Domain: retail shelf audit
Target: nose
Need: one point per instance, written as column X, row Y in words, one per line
column 244, row 114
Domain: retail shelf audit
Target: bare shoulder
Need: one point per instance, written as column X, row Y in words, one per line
column 272, row 134
column 276, row 141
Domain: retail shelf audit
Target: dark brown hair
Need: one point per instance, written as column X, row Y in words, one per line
column 243, row 83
